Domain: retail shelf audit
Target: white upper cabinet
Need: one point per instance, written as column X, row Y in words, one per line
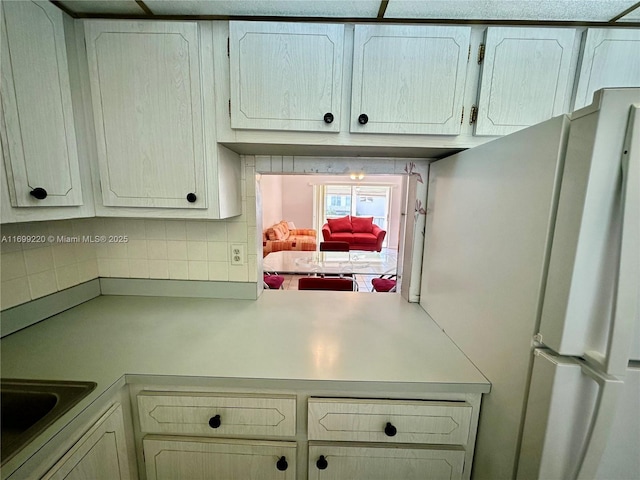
column 611, row 58
column 408, row 79
column 147, row 102
column 527, row 77
column 286, row 76
column 37, row 127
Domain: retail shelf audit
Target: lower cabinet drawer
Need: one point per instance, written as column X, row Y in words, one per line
column 396, row 421
column 384, row 463
column 171, row 458
column 213, row 414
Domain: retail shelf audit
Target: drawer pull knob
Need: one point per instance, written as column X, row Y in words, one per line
column 214, row 422
column 328, row 117
column 191, row 197
column 322, row 463
column 39, row 193
column 363, row 119
column 282, row 464
column 390, row 430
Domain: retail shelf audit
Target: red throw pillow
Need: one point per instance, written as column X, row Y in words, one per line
column 362, row 224
column 342, row 224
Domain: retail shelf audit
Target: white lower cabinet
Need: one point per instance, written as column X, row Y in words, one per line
column 266, row 434
column 208, row 458
column 413, row 439
column 384, row 463
column 101, row 453
column 394, row 421
column 174, row 418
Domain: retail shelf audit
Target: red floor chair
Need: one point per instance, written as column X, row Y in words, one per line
column 334, row 246
column 273, row 281
column 384, row 283
column 328, row 283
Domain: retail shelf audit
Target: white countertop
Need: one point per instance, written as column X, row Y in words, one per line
column 282, row 335
column 285, row 335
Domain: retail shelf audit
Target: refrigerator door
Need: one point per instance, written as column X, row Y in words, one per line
column 568, row 420
column 620, row 459
column 590, row 303
column 490, row 216
column 627, row 314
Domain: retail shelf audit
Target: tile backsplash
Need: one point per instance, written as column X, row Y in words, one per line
column 127, row 248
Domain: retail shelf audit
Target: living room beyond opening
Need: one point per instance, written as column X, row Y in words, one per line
column 363, row 213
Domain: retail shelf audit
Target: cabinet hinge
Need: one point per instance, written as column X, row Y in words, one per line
column 481, row 53
column 469, row 53
column 229, row 107
column 228, row 48
column 474, row 115
column 462, row 116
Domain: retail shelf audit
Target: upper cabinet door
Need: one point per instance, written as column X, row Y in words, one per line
column 39, row 140
column 146, row 96
column 286, row 76
column 526, row 78
column 408, row 79
column 611, row 58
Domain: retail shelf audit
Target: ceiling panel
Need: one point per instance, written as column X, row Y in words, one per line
column 284, row 8
column 122, row 7
column 541, row 10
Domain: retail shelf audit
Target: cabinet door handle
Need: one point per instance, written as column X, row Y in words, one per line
column 282, row 464
column 363, row 119
column 214, row 422
column 322, row 463
column 328, row 117
column 390, row 430
column 39, row 193
column 191, row 197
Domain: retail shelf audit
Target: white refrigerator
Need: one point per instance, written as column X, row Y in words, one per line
column 532, row 267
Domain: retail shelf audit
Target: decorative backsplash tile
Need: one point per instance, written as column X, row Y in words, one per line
column 33, row 270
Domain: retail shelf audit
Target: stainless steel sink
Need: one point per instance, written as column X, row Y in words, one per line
column 27, row 407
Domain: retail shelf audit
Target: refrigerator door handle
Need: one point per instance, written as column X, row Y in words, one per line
column 603, row 415
column 627, row 292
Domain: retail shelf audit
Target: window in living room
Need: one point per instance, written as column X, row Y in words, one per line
column 355, row 200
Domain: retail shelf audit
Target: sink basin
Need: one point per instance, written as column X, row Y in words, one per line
column 27, row 407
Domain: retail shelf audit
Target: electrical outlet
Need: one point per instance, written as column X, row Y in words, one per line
column 238, row 254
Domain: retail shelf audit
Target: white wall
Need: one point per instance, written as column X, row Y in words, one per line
column 297, row 200
column 271, row 190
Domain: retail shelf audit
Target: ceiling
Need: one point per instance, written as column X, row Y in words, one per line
column 609, row 12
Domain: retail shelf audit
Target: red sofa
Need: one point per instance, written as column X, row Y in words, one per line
column 360, row 232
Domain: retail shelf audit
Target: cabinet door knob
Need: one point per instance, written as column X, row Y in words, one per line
column 214, row 422
column 390, row 430
column 282, row 464
column 39, row 193
column 363, row 119
column 328, row 117
column 191, row 197
column 322, row 463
